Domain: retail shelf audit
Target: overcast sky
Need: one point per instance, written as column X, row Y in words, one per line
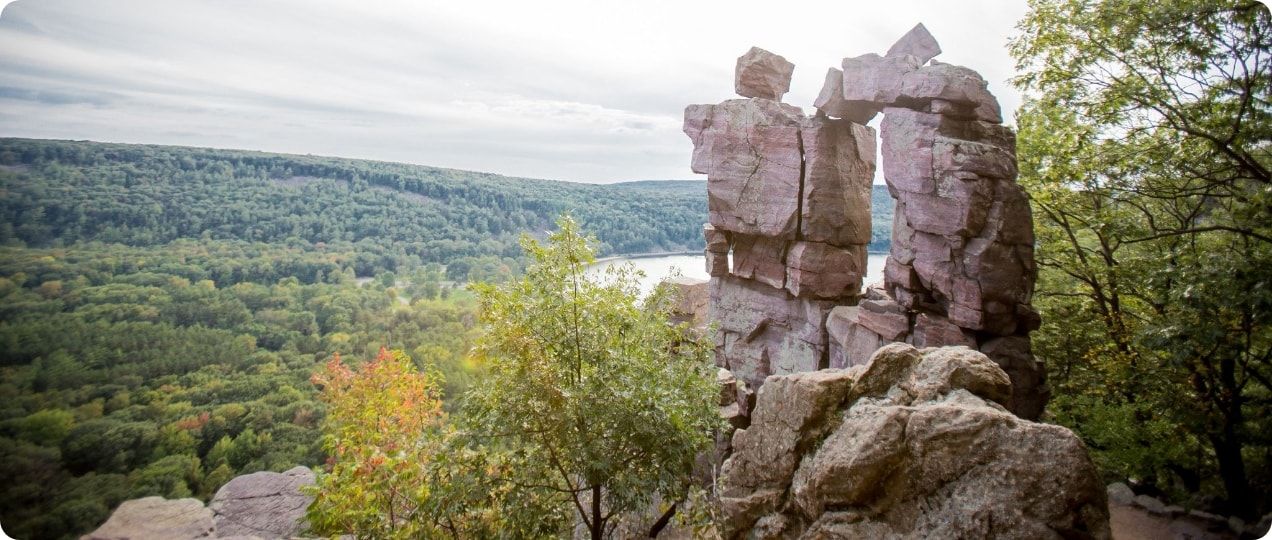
column 587, row 90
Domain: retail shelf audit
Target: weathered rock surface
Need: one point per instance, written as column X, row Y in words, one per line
column 259, row 505
column 817, row 270
column 750, row 151
column 762, row 74
column 692, row 301
column 263, row 504
column 917, row 444
column 156, row 518
column 839, row 166
column 918, row 42
column 764, row 331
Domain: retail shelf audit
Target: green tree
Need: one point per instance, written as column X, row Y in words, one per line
column 596, row 400
column 1144, row 142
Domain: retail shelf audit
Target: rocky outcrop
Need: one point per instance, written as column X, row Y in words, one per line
column 789, row 199
column 260, row 505
column 914, row 444
column 156, row 518
column 263, row 504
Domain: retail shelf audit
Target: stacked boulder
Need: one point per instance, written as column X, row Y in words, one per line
column 789, row 199
column 914, row 444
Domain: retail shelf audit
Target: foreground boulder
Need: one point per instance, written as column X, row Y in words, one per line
column 156, row 518
column 264, row 504
column 261, row 505
column 915, row 444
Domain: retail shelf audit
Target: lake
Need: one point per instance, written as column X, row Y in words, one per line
column 657, row 268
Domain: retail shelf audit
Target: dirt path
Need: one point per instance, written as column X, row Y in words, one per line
column 1133, row 523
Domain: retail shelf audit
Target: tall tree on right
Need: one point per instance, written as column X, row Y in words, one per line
column 1146, row 142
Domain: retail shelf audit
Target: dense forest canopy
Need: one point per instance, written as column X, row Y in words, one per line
column 1146, row 146
column 62, row 192
column 128, row 372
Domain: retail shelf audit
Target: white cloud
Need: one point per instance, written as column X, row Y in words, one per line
column 578, row 90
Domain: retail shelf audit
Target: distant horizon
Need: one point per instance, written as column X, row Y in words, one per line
column 480, row 86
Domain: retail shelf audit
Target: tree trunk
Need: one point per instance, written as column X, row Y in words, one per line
column 1228, row 443
column 598, row 525
column 1232, row 470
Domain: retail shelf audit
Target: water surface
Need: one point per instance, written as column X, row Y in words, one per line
column 658, row 268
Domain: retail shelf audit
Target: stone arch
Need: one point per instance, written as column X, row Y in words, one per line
column 789, row 197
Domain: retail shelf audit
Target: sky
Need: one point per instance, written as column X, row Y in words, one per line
column 585, row 91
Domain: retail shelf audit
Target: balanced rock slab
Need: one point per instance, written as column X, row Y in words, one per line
column 918, row 42
column 762, row 74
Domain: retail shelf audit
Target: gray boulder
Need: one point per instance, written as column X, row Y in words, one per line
column 263, row 504
column 917, row 444
column 156, row 518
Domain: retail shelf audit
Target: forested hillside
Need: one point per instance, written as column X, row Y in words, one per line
column 129, row 372
column 62, row 192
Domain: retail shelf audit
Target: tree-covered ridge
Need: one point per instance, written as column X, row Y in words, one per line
column 65, row 192
column 128, row 372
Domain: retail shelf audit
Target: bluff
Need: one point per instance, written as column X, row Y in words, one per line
column 901, row 411
column 789, row 218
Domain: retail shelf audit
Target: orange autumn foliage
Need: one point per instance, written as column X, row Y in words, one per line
column 383, row 426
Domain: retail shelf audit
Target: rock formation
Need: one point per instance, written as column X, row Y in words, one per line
column 914, row 444
column 789, row 218
column 263, row 504
column 789, row 197
column 156, row 518
column 260, row 505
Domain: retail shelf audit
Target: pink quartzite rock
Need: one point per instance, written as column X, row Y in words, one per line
column 920, row 148
column 839, row 164
column 760, row 258
column 1028, row 378
column 937, row 331
column 764, row 331
column 963, row 89
column 750, row 152
column 818, row 270
column 717, row 250
column 884, row 317
column 850, row 343
column 762, row 74
column 917, row 42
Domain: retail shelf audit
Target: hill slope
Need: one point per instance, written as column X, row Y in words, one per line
column 63, row 192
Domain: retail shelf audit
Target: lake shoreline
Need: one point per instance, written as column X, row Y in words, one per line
column 670, row 253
